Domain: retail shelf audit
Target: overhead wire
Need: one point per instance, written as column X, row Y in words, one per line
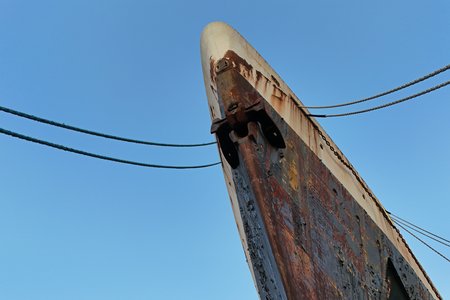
column 418, row 227
column 423, row 242
column 402, row 223
column 432, row 74
column 420, row 232
column 397, row 220
column 99, row 134
column 384, row 105
column 118, row 160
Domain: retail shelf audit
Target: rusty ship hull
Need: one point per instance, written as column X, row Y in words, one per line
column 310, row 226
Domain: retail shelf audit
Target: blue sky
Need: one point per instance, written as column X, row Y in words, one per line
column 78, row 228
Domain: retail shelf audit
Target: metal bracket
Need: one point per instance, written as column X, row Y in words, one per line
column 237, row 120
column 223, row 64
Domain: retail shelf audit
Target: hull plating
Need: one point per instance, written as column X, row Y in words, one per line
column 310, row 226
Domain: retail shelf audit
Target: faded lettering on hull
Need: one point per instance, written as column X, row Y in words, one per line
column 310, row 226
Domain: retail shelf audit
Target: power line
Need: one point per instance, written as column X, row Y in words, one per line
column 423, row 242
column 123, row 161
column 418, row 227
column 384, row 93
column 420, row 232
column 384, row 105
column 94, row 133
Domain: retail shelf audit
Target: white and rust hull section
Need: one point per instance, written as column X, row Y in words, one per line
column 310, row 226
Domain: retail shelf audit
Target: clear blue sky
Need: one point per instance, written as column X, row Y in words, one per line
column 76, row 228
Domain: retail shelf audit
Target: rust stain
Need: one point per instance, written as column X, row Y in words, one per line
column 295, row 102
column 293, row 177
column 261, row 79
column 259, row 76
column 231, row 55
column 278, row 94
column 275, row 80
column 212, row 70
column 211, row 109
column 322, row 249
column 322, row 241
column 214, row 91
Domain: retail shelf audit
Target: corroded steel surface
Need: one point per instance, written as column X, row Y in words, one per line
column 310, row 226
column 324, row 244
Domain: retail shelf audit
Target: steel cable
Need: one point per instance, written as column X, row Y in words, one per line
column 94, row 133
column 384, row 93
column 423, row 242
column 420, row 232
column 418, row 227
column 123, row 161
column 384, row 105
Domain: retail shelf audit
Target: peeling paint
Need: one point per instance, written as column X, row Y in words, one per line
column 311, row 228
